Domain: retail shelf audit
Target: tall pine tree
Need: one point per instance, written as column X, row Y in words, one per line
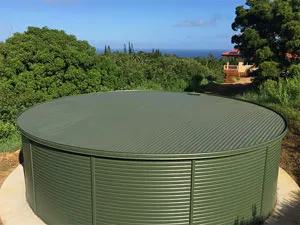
column 132, row 49
column 129, row 48
column 125, row 49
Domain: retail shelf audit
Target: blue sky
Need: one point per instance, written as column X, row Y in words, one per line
column 172, row 24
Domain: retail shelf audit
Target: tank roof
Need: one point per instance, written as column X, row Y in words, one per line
column 148, row 124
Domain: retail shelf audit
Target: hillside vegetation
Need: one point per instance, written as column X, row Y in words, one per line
column 42, row 64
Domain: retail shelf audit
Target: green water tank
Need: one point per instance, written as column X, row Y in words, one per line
column 150, row 158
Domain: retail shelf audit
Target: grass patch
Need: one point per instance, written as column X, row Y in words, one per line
column 290, row 113
column 10, row 144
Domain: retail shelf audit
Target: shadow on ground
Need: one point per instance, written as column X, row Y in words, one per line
column 288, row 213
column 228, row 90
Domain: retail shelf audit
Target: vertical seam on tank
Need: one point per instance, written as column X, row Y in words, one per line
column 32, row 174
column 263, row 183
column 93, row 193
column 192, row 192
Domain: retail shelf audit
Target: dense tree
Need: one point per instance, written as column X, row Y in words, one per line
column 268, row 31
column 43, row 64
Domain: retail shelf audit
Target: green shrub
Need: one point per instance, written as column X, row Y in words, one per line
column 7, row 129
column 10, row 144
column 283, row 96
column 204, row 82
column 284, row 92
column 294, row 71
column 269, row 69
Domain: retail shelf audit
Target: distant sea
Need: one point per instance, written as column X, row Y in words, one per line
column 186, row 53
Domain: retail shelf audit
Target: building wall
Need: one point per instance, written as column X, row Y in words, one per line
column 244, row 68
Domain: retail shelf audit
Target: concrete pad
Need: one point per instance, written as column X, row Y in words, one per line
column 287, row 210
column 14, row 209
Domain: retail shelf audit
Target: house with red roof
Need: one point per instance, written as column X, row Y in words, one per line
column 234, row 72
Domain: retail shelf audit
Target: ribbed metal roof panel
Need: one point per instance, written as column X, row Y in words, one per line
column 151, row 125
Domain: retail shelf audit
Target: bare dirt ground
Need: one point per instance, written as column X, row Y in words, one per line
column 290, row 155
column 242, row 80
column 8, row 162
column 228, row 89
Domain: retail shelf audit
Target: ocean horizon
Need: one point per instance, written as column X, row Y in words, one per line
column 186, row 53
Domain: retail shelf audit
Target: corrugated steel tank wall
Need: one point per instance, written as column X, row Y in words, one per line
column 65, row 188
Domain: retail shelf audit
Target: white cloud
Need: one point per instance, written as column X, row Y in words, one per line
column 200, row 22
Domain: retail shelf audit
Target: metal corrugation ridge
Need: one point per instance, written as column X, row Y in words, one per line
column 226, row 188
column 28, row 172
column 142, row 192
column 271, row 176
column 62, row 184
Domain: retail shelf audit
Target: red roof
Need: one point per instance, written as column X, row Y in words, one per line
column 290, row 56
column 234, row 52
